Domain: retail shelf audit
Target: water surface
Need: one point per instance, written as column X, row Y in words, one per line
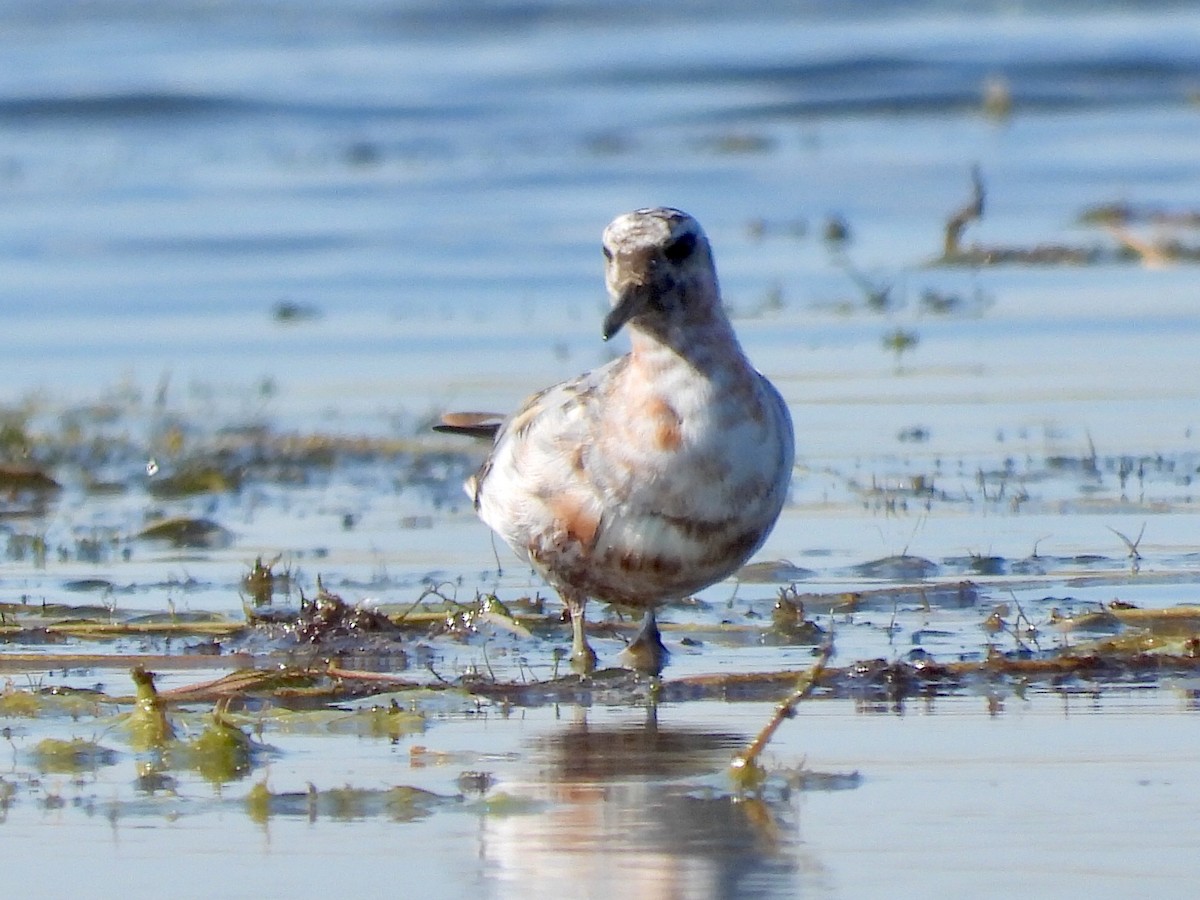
column 341, row 218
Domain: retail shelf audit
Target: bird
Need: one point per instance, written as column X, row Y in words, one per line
column 657, row 474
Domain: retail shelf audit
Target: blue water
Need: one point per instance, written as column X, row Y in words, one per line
column 170, row 171
column 431, row 180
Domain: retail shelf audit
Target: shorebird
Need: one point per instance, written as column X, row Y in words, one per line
column 656, row 475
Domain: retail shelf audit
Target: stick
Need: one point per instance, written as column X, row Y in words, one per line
column 969, row 213
column 746, row 763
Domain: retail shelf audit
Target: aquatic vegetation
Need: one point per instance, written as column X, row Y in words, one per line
column 389, row 660
column 187, row 532
column 58, row 621
column 788, row 622
column 221, row 752
column 19, row 704
column 501, row 803
column 1115, row 218
column 22, row 546
column 262, row 581
column 20, row 479
column 148, row 725
column 71, row 757
column 900, row 341
column 390, row 721
column 194, row 477
column 466, row 619
column 401, row 803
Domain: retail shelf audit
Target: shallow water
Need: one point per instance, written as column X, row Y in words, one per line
column 1068, row 795
column 423, row 188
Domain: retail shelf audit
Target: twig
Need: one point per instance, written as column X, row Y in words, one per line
column 41, row 662
column 1135, row 558
column 745, row 765
column 1016, row 626
column 377, row 677
column 432, row 590
column 892, row 622
column 951, row 247
column 878, row 297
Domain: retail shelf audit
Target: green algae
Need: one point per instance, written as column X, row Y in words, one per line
column 71, row 757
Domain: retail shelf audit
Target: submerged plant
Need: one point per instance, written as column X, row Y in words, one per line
column 899, row 341
column 221, row 752
column 148, row 725
column 72, row 757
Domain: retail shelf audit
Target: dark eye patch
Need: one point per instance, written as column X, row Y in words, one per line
column 607, row 253
column 680, row 248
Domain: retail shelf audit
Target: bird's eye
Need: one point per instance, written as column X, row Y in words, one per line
column 680, row 248
column 607, row 254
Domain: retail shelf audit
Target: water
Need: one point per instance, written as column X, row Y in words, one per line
column 1067, row 796
column 427, row 184
column 434, row 183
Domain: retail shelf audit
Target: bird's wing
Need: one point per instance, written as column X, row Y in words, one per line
column 553, row 430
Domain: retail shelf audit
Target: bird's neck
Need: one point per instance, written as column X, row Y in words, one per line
column 706, row 344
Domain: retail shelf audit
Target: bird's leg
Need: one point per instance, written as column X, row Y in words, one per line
column 583, row 658
column 646, row 653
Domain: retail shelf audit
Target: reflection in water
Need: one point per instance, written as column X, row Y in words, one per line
column 586, row 753
column 629, row 817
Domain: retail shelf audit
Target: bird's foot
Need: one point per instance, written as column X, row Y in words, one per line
column 583, row 660
column 646, row 653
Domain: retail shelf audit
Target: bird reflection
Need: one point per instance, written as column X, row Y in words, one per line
column 639, row 809
column 588, row 753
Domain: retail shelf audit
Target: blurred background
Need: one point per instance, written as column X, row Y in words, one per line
column 349, row 215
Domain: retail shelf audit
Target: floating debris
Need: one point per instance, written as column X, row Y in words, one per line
column 836, row 230
column 18, row 479
column 897, row 568
column 773, row 572
column 187, row 532
column 290, row 312
column 328, row 617
column 1124, row 213
column 788, row 624
column 194, row 478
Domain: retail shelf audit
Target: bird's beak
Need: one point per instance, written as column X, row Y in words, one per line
column 630, row 301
